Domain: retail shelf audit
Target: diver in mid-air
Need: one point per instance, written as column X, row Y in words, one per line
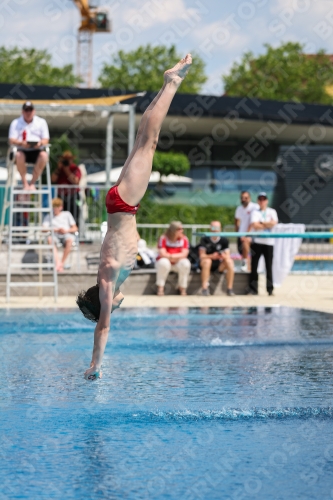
column 119, row 249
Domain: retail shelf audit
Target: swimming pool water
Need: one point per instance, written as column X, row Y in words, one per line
column 310, row 266
column 228, row 403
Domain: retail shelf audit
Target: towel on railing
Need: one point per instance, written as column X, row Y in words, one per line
column 285, row 251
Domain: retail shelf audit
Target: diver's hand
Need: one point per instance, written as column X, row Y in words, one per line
column 93, row 373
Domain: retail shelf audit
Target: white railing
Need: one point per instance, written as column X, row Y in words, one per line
column 88, row 208
column 87, row 203
column 152, row 232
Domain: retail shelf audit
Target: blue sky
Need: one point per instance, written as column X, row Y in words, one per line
column 220, row 31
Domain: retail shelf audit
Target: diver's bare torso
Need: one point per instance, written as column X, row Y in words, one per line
column 119, row 250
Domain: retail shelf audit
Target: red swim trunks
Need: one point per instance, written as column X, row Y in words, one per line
column 115, row 204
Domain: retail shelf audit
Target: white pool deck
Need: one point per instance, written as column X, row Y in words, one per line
column 314, row 292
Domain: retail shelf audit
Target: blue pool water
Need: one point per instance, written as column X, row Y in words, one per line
column 229, row 403
column 313, row 265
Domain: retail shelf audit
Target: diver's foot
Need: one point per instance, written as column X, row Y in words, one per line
column 31, row 187
column 60, row 268
column 116, row 303
column 178, row 72
column 92, row 374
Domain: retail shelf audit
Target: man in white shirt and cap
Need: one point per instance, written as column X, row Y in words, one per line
column 262, row 221
column 242, row 223
column 30, row 134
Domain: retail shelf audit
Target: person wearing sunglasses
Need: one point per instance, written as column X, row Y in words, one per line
column 30, row 134
column 215, row 255
column 262, row 220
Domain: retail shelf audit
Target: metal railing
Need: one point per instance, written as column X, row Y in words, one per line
column 314, row 256
column 87, row 204
column 152, row 232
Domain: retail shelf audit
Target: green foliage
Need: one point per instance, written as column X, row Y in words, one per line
column 284, row 73
column 143, row 68
column 154, row 213
column 33, row 67
column 96, row 205
column 171, row 163
column 59, row 146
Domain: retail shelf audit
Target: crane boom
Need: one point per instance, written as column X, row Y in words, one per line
column 83, row 6
column 87, row 16
column 93, row 20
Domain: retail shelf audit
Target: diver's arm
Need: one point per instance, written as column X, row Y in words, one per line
column 102, row 328
column 103, row 325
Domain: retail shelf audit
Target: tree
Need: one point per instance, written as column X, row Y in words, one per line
column 143, row 68
column 33, row 67
column 284, row 73
column 171, row 163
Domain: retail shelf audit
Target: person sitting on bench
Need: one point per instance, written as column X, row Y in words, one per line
column 214, row 255
column 173, row 248
column 64, row 227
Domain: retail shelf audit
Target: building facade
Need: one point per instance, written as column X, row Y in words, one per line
column 232, row 144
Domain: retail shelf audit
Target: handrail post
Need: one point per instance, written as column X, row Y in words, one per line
column 131, row 127
column 109, row 148
column 193, row 237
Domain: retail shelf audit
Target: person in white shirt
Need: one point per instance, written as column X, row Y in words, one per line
column 262, row 220
column 30, row 133
column 242, row 223
column 64, row 227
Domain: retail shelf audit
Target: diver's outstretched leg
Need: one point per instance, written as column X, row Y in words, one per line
column 145, row 116
column 133, row 183
column 142, row 125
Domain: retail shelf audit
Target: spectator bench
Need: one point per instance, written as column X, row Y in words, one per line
column 140, row 282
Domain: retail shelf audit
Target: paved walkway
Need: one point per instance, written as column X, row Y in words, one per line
column 303, row 291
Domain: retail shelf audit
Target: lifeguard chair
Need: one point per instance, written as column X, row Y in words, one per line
column 31, row 204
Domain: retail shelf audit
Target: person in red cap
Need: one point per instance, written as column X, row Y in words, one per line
column 30, row 133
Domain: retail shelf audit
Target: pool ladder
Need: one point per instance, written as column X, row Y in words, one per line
column 20, row 201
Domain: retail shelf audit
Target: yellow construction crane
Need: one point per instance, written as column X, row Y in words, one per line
column 93, row 20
